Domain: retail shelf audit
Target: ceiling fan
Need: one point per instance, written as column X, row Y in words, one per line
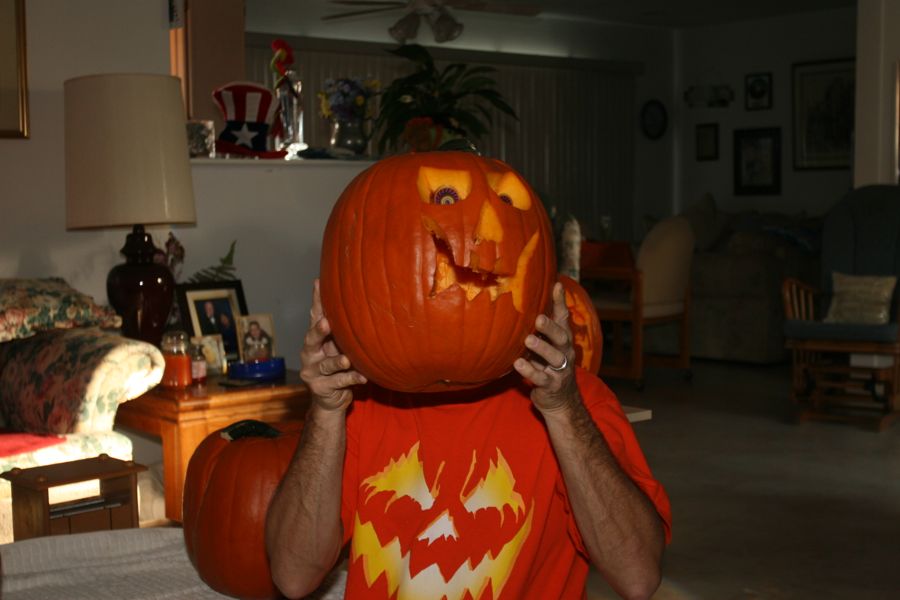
column 444, row 26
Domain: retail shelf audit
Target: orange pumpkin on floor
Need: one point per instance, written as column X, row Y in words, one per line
column 585, row 325
column 230, row 481
column 434, row 268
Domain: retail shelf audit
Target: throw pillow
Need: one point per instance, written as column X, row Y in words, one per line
column 708, row 224
column 861, row 299
column 31, row 305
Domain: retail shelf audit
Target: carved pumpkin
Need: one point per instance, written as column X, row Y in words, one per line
column 472, row 501
column 434, row 268
column 585, row 325
column 230, row 481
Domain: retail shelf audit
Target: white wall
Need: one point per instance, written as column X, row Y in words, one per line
column 66, row 39
column 724, row 55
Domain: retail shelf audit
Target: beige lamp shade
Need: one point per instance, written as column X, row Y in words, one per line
column 126, row 152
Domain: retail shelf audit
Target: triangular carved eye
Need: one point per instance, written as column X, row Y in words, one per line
column 510, row 189
column 443, row 186
column 404, row 478
column 495, row 490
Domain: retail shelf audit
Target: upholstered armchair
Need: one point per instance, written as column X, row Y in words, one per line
column 654, row 290
column 64, row 371
column 844, row 335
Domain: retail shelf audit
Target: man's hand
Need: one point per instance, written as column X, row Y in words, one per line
column 554, row 375
column 326, row 371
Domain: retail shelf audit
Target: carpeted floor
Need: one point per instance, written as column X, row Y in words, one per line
column 764, row 508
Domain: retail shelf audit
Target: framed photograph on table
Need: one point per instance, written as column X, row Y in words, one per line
column 707, row 141
column 823, row 113
column 213, row 308
column 757, row 161
column 758, row 91
column 256, row 337
column 213, row 349
column 13, row 72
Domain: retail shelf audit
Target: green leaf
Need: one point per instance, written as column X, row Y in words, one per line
column 416, row 53
column 224, row 271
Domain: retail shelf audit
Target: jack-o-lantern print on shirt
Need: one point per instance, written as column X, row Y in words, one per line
column 465, row 538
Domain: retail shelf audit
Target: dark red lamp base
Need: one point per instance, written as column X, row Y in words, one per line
column 140, row 290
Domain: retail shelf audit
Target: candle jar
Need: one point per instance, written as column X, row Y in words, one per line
column 174, row 348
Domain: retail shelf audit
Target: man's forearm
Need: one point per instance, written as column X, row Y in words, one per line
column 303, row 527
column 621, row 530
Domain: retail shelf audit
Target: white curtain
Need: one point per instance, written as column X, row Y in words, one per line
column 573, row 142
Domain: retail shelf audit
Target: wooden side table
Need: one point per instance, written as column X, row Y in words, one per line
column 183, row 419
column 115, row 508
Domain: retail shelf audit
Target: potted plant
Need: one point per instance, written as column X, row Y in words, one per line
column 431, row 105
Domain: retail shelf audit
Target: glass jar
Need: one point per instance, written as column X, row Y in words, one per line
column 198, row 365
column 174, row 348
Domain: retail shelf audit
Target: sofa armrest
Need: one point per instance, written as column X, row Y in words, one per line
column 799, row 299
column 72, row 381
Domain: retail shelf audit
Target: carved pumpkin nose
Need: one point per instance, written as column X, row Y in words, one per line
column 488, row 235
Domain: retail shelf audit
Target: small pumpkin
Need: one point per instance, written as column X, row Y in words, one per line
column 434, row 268
column 585, row 325
column 230, row 481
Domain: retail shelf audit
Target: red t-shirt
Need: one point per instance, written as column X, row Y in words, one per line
column 460, row 496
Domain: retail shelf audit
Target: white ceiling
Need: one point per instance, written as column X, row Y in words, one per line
column 657, row 13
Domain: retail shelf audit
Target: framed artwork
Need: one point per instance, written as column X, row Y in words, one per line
column 757, row 161
column 823, row 113
column 13, row 72
column 213, row 349
column 758, row 91
column 707, row 141
column 213, row 308
column 654, row 119
column 256, row 337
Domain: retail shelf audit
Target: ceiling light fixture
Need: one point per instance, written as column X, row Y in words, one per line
column 444, row 27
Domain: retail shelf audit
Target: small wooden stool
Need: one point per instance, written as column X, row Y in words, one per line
column 115, row 508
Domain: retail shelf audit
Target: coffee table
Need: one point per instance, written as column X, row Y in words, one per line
column 183, row 419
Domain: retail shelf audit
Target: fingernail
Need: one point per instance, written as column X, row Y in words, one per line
column 542, row 320
column 530, row 341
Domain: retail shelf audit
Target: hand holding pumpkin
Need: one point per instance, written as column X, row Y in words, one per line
column 326, row 371
column 554, row 378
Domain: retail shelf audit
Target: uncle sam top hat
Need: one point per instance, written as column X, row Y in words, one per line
column 249, row 110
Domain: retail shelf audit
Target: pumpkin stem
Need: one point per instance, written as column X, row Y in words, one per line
column 249, row 428
column 459, row 145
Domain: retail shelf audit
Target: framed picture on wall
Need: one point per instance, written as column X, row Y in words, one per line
column 707, row 141
column 758, row 91
column 757, row 161
column 13, row 75
column 823, row 113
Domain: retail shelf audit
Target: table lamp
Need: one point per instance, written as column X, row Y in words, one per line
column 127, row 166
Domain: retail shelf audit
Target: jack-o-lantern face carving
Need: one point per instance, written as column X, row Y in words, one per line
column 442, row 539
column 434, row 267
column 587, row 335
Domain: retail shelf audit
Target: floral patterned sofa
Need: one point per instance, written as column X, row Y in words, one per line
column 64, row 370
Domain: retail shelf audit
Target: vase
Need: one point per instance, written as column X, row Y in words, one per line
column 290, row 109
column 348, row 137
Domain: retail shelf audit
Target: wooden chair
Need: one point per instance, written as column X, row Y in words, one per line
column 654, row 290
column 846, row 371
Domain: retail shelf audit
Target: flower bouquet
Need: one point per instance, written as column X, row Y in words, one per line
column 348, row 99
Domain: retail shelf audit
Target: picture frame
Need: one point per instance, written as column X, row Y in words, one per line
column 823, row 113
column 213, row 349
column 13, row 70
column 212, row 308
column 758, row 91
column 707, row 141
column 256, row 336
column 757, row 161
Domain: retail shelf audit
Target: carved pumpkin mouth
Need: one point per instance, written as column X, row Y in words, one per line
column 474, row 280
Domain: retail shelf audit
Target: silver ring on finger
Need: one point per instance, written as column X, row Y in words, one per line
column 561, row 367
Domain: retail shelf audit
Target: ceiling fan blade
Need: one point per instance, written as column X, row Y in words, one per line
column 394, row 3
column 356, row 13
column 523, row 10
